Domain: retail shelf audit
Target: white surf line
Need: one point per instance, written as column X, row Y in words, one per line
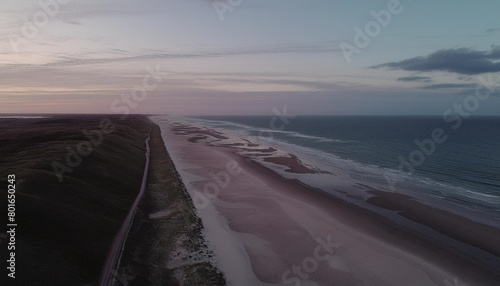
column 116, row 250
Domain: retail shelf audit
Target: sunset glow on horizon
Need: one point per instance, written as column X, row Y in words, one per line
column 341, row 58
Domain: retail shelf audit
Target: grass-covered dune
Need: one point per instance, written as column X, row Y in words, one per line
column 165, row 245
column 66, row 223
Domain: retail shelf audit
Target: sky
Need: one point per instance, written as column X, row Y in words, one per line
column 246, row 57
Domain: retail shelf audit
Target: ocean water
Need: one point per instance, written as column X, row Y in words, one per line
column 463, row 171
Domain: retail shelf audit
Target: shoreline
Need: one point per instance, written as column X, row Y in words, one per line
column 448, row 223
column 369, row 224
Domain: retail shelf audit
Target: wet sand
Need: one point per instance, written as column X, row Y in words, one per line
column 479, row 235
column 269, row 226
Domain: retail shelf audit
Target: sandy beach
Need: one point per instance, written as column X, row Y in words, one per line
column 268, row 230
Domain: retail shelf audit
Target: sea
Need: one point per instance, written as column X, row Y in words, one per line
column 449, row 165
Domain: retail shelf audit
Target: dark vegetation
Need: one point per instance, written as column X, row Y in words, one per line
column 65, row 228
column 166, row 249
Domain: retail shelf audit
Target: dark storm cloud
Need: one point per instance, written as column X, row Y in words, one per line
column 450, row 86
column 461, row 61
column 415, row 79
